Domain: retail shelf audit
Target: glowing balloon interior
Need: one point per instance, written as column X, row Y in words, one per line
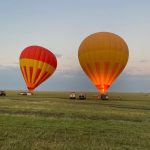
column 36, row 64
column 103, row 56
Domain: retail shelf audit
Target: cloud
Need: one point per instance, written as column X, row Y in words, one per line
column 143, row 61
column 74, row 80
column 58, row 55
column 140, row 67
column 9, row 64
column 134, row 71
column 69, row 80
column 130, row 83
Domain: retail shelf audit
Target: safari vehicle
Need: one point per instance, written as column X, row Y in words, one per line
column 104, row 97
column 26, row 93
column 82, row 96
column 72, row 95
column 2, row 93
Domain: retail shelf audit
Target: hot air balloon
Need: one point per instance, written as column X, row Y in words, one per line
column 36, row 64
column 103, row 56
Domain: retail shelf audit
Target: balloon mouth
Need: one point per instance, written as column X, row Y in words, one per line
column 102, row 88
column 30, row 89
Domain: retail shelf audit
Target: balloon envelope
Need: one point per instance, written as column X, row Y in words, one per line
column 103, row 56
column 36, row 64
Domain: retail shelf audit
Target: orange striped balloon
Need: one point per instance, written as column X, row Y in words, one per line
column 36, row 64
column 103, row 56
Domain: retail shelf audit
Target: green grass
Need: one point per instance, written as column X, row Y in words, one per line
column 49, row 120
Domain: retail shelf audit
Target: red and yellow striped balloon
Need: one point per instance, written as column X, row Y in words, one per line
column 103, row 56
column 36, row 64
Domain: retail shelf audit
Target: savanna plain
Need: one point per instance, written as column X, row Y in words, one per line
column 51, row 121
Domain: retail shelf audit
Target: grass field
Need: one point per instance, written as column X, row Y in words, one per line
column 49, row 120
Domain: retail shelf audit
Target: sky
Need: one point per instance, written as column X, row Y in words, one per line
column 60, row 26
